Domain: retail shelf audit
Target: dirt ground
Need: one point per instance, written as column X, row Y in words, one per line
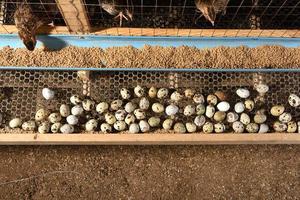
column 150, row 172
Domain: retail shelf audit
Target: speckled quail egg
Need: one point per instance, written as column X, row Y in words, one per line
column 125, row 93
column 144, row 103
column 116, row 104
column 106, row 128
column 223, row 106
column 91, row 125
column 252, row 128
column 172, row 110
column 154, row 121
column 41, row 114
column 134, row 128
column 239, row 107
column 292, row 127
column 120, row 125
column 102, row 107
column 75, row 100
column 200, row 120
column 168, row 124
column 245, row 119
column 294, row 100
column 88, row 104
column 162, row 93
column 279, row 127
column 44, row 127
column 189, row 93
column 158, row 108
column 221, row 95
column 208, row 127
column 77, row 110
column 120, row 115
column 140, row 114
column 243, row 93
column 130, row 107
column 179, row 128
column 219, row 128
column 48, row 94
column 144, row 126
column 55, row 128
column 219, row 116
column 210, row 111
column 54, row 118
column 152, row 92
column 263, row 128
column 72, row 120
column 249, row 105
column 189, row 110
column 212, row 99
column 238, row 127
column 129, row 119
column 67, row 129
column 29, row 126
column 139, row 91
column 191, row 127
column 285, row 117
column 260, row 118
column 200, row 109
column 176, row 96
column 15, row 123
column 64, row 110
column 110, row 118
column 261, row 88
column 277, row 110
column 199, row 98
column 232, row 117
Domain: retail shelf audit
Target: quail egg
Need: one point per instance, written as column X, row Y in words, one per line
column 15, row 123
column 292, row 127
column 260, row 118
column 252, row 128
column 243, row 93
column 75, row 100
column 48, row 94
column 106, row 128
column 144, row 126
column 168, row 124
column 200, row 109
column 88, row 104
column 119, row 125
column 72, row 120
column 102, row 107
column 245, row 119
column 120, row 115
column 172, row 110
column 189, row 93
column 239, row 107
column 162, row 93
column 223, row 106
column 144, row 103
column 219, row 116
column 29, row 126
column 249, row 105
column 44, row 127
column 54, row 118
column 219, row 128
column 91, row 125
column 77, row 110
column 294, row 100
column 261, row 88
column 176, row 96
column 277, row 110
column 221, row 95
column 41, row 115
column 210, row 111
column 125, row 93
column 179, row 128
column 56, row 127
column 64, row 110
column 191, row 127
column 154, row 121
column 139, row 91
column 263, row 128
column 152, row 92
column 189, row 110
column 67, row 129
column 200, row 120
column 116, row 104
column 158, row 108
column 130, row 107
column 130, row 119
column 232, row 117
column 208, row 127
column 110, row 118
column 285, row 117
column 134, row 128
column 279, row 127
column 238, row 127
column 199, row 99
column 212, row 99
column 139, row 114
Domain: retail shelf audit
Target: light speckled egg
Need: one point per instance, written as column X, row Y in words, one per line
column 179, row 128
column 139, row 91
column 144, row 126
column 208, row 127
column 144, row 103
column 263, row 128
column 64, row 110
column 252, row 128
column 15, row 123
column 243, row 93
column 120, row 115
column 154, row 121
column 285, row 117
column 176, row 96
column 260, row 118
column 162, row 93
column 116, row 104
column 106, row 128
column 75, row 100
column 279, row 127
column 134, row 128
column 48, row 94
column 54, row 118
column 152, row 92
column 91, row 125
column 294, row 100
column 67, row 129
column 191, row 127
column 29, row 126
column 200, row 109
column 199, row 98
column 238, row 127
column 102, row 107
column 55, row 128
column 168, row 124
column 77, row 110
column 239, row 107
column 292, row 127
column 261, row 88
column 189, row 110
column 210, row 111
column 44, row 127
column 277, row 110
column 200, row 120
column 212, row 99
column 219, row 116
column 41, row 115
column 245, row 119
column 219, row 128
column 72, row 120
column 110, row 118
column 223, row 106
column 158, row 108
column 249, row 105
column 232, row 117
column 120, row 126
column 130, row 119
column 125, row 93
column 130, row 107
column 189, row 93
column 88, row 105
column 221, row 95
column 172, row 110
column 139, row 114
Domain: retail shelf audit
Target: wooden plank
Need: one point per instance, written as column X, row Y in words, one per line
column 147, row 139
column 75, row 15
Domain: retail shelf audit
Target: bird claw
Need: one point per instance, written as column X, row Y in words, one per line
column 121, row 16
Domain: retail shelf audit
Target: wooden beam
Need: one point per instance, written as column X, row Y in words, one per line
column 147, row 139
column 75, row 16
